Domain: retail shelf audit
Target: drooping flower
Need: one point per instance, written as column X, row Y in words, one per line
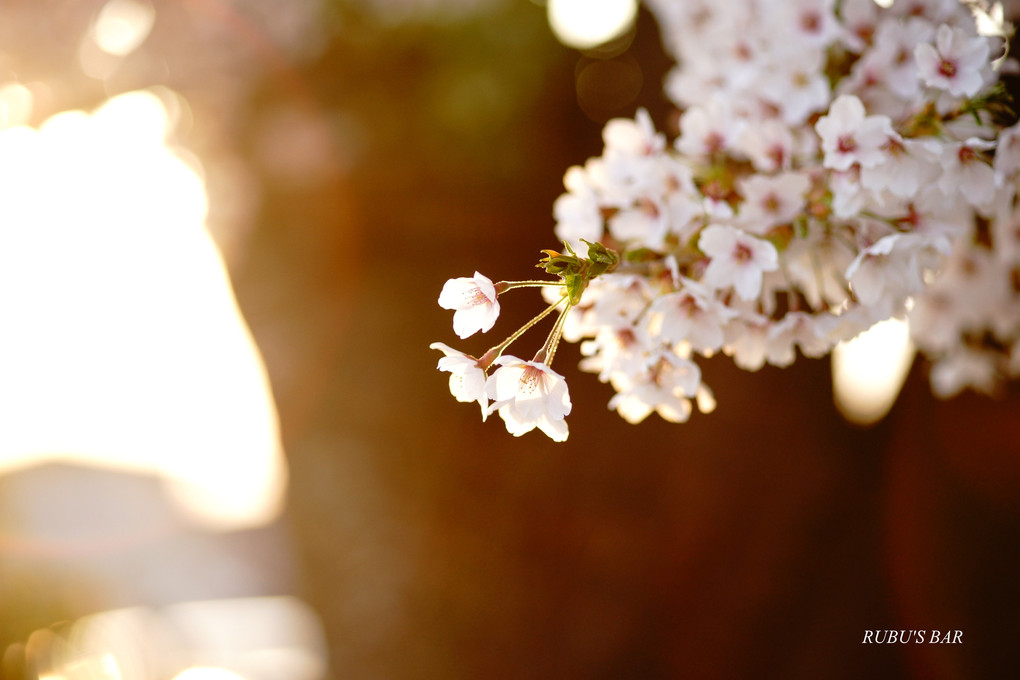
column 529, row 394
column 473, row 300
column 467, row 378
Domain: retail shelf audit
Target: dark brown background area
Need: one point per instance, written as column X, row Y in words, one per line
column 760, row 541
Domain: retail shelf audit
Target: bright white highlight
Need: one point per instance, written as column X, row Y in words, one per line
column 869, row 370
column 256, row 638
column 123, row 346
column 588, row 23
column 990, row 20
column 16, row 102
column 207, row 673
column 262, row 638
column 123, row 25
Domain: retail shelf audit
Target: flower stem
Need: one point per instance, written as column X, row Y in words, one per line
column 548, row 350
column 504, row 286
column 492, row 354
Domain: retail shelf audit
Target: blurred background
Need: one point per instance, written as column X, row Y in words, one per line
column 225, row 452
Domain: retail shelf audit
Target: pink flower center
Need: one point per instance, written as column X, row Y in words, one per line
column 947, row 68
column 771, row 203
column 912, row 218
column 894, row 147
column 846, row 144
column 967, row 155
column 777, row 154
column 742, row 253
column 714, row 142
column 689, row 306
column 648, row 208
column 811, row 22
column 478, row 297
column 531, row 377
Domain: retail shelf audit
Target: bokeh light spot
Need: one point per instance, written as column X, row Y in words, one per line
column 207, row 673
column 123, row 25
column 16, row 103
column 583, row 24
column 125, row 347
column 869, row 370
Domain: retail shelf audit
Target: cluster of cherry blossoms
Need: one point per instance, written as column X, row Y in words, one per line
column 838, row 163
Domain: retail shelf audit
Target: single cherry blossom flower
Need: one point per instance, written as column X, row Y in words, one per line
column 956, row 62
column 796, row 328
column 770, row 145
column 933, row 11
column 692, row 315
column 1007, row 153
column 965, row 170
column 708, row 129
column 738, row 259
column 643, row 225
column 770, row 200
column 851, row 136
column 859, row 21
column 529, row 394
column 577, row 211
column 467, row 378
column 664, row 386
column 886, row 272
column 907, row 165
column 792, row 81
column 747, row 340
column 615, row 353
column 963, row 368
column 637, row 137
column 808, row 22
column 474, row 302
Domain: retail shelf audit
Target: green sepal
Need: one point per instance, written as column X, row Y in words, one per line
column 557, row 264
column 575, row 271
column 602, row 259
column 576, row 283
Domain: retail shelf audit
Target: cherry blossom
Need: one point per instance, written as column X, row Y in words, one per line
column 851, row 136
column 529, row 394
column 708, row 129
column 836, row 164
column 965, row 170
column 474, row 302
column 956, row 62
column 738, row 259
column 664, row 386
column 691, row 314
column 906, row 166
column 467, row 378
column 771, row 200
